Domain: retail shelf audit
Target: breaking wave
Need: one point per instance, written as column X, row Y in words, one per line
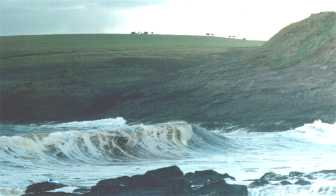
column 107, row 140
column 317, row 132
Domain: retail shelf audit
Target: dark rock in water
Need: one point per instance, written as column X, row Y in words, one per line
column 266, row 178
column 285, row 182
column 295, row 174
column 325, row 172
column 221, row 188
column 168, row 181
column 258, row 182
column 43, row 187
column 271, row 176
column 204, row 177
column 302, row 182
column 82, row 190
column 50, row 194
column 164, row 181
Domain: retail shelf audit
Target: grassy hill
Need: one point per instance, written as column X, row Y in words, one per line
column 68, row 77
column 283, row 83
column 311, row 41
column 116, row 44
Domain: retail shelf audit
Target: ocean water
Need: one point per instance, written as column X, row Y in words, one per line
column 82, row 153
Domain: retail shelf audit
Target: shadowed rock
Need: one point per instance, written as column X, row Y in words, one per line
column 285, row 182
column 168, row 181
column 302, row 182
column 207, row 176
column 43, row 187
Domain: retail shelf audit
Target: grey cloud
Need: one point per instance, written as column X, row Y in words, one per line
column 62, row 16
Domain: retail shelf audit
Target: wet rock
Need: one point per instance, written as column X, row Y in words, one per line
column 310, row 177
column 258, row 183
column 267, row 178
column 199, row 178
column 221, row 188
column 271, row 176
column 325, row 172
column 82, row 190
column 43, row 187
column 50, row 194
column 164, row 181
column 295, row 174
column 302, row 182
column 285, row 182
column 168, row 181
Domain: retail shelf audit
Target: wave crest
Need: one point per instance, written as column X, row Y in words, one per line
column 89, row 141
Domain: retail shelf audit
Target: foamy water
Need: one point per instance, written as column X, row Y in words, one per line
column 81, row 153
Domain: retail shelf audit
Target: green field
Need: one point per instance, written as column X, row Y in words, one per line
column 60, row 77
column 117, row 44
column 277, row 85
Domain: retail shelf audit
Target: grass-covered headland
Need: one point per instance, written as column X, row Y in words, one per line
column 275, row 85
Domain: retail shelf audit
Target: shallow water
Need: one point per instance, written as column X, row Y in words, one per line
column 81, row 153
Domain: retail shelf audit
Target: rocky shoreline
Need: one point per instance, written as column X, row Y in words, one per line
column 168, row 181
column 171, row 181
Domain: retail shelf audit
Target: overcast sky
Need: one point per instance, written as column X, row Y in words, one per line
column 252, row 19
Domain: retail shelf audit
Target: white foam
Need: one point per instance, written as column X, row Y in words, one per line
column 108, row 123
column 10, row 191
column 317, row 132
column 120, row 141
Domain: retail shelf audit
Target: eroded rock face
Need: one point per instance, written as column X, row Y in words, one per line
column 221, row 188
column 199, row 178
column 43, row 187
column 293, row 178
column 302, row 182
column 168, row 181
column 164, row 181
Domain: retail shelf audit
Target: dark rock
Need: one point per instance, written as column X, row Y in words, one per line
column 221, row 188
column 310, row 177
column 112, row 185
column 271, row 176
column 204, row 177
column 302, row 182
column 50, row 194
column 82, row 190
column 325, row 172
column 258, row 183
column 168, row 181
column 295, row 174
column 266, row 178
column 43, row 187
column 285, row 182
column 164, row 181
column 167, row 172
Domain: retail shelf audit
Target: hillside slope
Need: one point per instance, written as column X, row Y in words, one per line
column 74, row 77
column 311, row 41
column 289, row 81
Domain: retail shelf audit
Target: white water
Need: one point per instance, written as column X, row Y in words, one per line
column 81, row 153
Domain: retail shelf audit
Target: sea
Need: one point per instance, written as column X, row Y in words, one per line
column 81, row 153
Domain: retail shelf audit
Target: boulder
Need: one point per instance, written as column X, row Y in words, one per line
column 285, row 182
column 199, row 178
column 168, row 181
column 258, row 183
column 221, row 188
column 164, row 181
column 302, row 182
column 271, row 176
column 295, row 174
column 43, row 187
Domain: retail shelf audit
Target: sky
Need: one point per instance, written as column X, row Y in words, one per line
column 251, row 19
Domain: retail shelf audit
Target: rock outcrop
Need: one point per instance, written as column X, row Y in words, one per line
column 169, row 181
